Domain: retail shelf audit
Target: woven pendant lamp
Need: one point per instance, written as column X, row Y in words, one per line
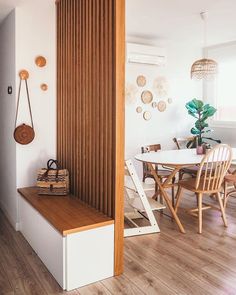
column 204, row 68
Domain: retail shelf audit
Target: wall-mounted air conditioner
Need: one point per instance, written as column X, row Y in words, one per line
column 144, row 54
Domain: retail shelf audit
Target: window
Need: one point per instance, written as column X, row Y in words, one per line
column 221, row 92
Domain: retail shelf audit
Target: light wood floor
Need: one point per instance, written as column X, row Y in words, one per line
column 167, row 263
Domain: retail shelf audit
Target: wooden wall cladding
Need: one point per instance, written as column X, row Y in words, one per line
column 90, row 104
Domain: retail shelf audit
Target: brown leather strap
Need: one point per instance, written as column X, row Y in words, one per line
column 49, row 167
column 18, row 102
column 30, row 110
column 51, row 162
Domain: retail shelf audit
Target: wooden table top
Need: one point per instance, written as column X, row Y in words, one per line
column 65, row 213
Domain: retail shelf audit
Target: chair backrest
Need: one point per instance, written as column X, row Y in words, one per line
column 181, row 142
column 150, row 148
column 147, row 149
column 213, row 168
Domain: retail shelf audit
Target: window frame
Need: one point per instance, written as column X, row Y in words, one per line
column 213, row 122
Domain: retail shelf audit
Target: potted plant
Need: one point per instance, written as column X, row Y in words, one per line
column 201, row 112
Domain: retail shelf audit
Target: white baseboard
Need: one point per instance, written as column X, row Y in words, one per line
column 15, row 225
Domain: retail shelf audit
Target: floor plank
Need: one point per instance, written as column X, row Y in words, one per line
column 122, row 286
column 165, row 263
column 93, row 289
column 4, row 282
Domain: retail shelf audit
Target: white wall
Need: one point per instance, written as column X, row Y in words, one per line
column 175, row 121
column 35, row 28
column 35, row 35
column 8, row 201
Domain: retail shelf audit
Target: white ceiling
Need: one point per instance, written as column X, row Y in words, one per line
column 6, row 6
column 171, row 20
column 179, row 20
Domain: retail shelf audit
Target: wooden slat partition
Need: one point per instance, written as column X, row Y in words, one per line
column 90, row 105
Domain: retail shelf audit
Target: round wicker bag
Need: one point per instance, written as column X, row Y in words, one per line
column 24, row 134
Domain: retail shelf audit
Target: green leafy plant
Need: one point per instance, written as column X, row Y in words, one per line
column 200, row 111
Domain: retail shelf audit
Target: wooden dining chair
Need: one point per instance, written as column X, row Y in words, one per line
column 182, row 142
column 230, row 179
column 210, row 177
column 147, row 149
column 162, row 173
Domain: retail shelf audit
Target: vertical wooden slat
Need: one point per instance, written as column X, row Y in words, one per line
column 83, row 104
column 119, row 41
column 97, row 64
column 94, row 100
column 91, row 182
column 58, row 22
column 110, row 201
column 88, row 98
column 101, row 110
column 79, row 94
column 90, row 115
column 74, row 125
column 71, row 90
column 65, row 93
column 107, row 81
column 86, row 102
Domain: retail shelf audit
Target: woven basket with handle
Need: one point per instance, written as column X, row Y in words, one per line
column 53, row 181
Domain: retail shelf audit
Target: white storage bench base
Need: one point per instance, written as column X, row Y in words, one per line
column 89, row 256
column 77, row 251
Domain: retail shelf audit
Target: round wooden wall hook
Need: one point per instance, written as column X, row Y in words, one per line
column 24, row 75
column 44, row 87
column 40, row 61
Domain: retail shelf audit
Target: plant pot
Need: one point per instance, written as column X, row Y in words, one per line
column 201, row 149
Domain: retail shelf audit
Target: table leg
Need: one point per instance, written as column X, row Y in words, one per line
column 165, row 196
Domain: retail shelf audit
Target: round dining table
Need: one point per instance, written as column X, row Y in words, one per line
column 177, row 160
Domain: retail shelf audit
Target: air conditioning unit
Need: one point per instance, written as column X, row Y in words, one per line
column 144, row 54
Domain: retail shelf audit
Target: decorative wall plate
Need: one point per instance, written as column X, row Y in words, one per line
column 139, row 110
column 147, row 96
column 154, row 104
column 130, row 93
column 170, row 100
column 160, row 86
column 147, row 116
column 141, row 81
column 161, row 106
column 24, row 75
column 44, row 87
column 40, row 61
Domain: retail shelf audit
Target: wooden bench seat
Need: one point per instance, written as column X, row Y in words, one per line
column 74, row 241
column 65, row 213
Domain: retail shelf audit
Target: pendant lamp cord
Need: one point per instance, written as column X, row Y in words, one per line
column 204, row 19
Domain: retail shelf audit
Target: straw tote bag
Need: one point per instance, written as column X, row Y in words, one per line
column 53, row 181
